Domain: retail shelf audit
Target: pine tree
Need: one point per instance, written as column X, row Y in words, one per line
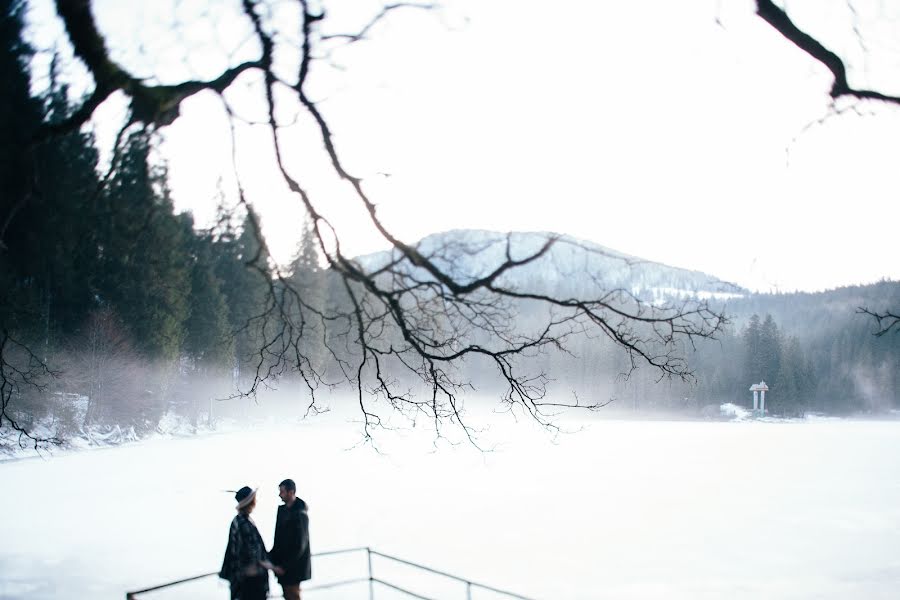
column 242, row 265
column 790, row 396
column 753, row 357
column 20, row 115
column 305, row 297
column 769, row 350
column 143, row 255
column 63, row 217
column 208, row 342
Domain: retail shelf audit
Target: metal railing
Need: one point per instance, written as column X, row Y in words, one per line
column 372, row 579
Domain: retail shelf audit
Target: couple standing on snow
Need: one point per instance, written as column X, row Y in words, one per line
column 246, row 564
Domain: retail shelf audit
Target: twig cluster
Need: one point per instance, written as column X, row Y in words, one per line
column 413, row 315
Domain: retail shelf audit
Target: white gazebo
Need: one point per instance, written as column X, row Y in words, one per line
column 759, row 397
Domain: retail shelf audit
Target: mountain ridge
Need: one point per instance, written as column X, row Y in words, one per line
column 571, row 265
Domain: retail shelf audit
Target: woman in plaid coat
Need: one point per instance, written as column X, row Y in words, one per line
column 246, row 562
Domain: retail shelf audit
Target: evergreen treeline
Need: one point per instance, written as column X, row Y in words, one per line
column 815, row 352
column 132, row 310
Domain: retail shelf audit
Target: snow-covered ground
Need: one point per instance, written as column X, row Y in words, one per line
column 668, row 510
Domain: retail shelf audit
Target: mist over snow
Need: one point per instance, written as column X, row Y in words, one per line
column 618, row 509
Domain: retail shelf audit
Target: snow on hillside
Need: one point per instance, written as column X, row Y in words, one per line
column 571, row 266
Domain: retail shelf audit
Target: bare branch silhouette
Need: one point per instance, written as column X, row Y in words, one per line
column 21, row 369
column 885, row 321
column 416, row 314
column 781, row 22
column 385, row 11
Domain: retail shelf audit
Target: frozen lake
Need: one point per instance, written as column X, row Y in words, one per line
column 619, row 510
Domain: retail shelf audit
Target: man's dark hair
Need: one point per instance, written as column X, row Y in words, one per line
column 289, row 485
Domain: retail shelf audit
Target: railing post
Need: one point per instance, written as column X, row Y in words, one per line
column 371, row 580
column 468, row 590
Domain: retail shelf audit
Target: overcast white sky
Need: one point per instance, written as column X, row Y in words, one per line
column 682, row 132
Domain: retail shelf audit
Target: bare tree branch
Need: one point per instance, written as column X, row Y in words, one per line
column 885, row 321
column 416, row 314
column 781, row 22
column 150, row 104
column 20, row 368
column 385, row 11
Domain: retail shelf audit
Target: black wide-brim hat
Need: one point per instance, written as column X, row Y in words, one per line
column 244, row 496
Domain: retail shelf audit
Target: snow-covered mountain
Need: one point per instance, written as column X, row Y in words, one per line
column 571, row 266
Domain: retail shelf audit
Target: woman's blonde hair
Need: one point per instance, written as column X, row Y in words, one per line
column 248, row 507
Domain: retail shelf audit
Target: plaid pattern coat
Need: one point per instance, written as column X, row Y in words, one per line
column 244, row 551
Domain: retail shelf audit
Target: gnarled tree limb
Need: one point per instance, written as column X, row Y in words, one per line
column 782, row 23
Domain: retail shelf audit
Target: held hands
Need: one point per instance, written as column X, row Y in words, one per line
column 274, row 568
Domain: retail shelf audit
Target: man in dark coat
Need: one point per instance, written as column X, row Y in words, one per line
column 290, row 552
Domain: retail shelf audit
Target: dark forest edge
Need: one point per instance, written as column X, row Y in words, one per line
column 111, row 301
